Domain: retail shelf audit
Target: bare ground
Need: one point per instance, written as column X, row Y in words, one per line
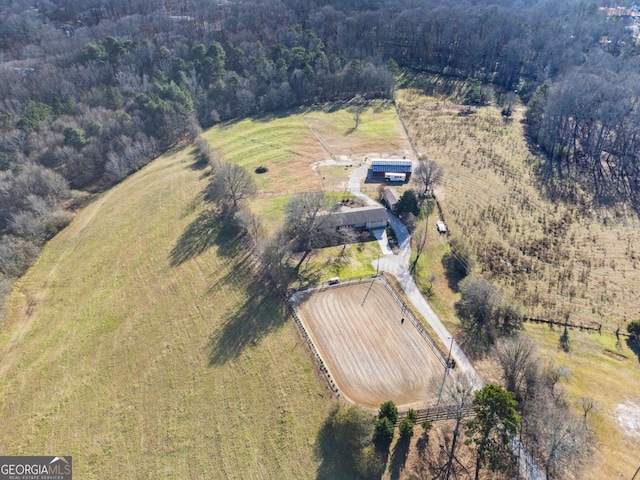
column 372, row 356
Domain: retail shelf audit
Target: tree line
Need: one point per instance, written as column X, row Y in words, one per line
column 91, row 91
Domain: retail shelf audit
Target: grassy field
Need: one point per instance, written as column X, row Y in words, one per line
column 557, row 260
column 610, row 374
column 289, row 146
column 112, row 355
column 141, row 341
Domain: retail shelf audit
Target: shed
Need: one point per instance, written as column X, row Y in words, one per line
column 380, row 167
column 389, row 198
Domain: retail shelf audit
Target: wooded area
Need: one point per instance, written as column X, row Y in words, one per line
column 91, row 91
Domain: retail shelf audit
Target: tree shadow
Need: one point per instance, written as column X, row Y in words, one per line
column 334, row 460
column 398, row 458
column 342, row 455
column 198, row 237
column 453, row 275
column 199, row 161
column 634, row 345
column 261, row 313
column 208, row 229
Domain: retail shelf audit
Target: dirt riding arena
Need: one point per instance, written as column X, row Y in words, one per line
column 371, row 354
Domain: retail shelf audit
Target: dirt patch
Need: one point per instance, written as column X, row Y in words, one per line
column 628, row 416
column 371, row 353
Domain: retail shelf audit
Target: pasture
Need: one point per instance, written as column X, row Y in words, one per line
column 371, row 348
column 557, row 260
column 143, row 340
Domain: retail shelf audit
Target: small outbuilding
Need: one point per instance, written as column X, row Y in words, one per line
column 389, row 198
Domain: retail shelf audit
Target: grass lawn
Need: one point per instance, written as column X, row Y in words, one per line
column 112, row 355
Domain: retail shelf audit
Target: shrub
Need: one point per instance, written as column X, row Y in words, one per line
column 388, row 410
column 383, row 434
column 426, row 425
column 406, row 428
column 412, row 415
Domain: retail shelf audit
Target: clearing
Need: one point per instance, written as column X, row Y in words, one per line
column 372, row 355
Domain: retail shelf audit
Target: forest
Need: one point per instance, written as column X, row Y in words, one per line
column 92, row 90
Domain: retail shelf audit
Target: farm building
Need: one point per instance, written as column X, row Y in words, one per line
column 392, row 170
column 389, row 198
column 368, row 218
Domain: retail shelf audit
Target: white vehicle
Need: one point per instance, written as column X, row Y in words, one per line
column 395, row 177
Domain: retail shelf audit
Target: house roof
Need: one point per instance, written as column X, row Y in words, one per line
column 357, row 216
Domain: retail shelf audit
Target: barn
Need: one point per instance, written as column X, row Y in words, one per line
column 382, row 168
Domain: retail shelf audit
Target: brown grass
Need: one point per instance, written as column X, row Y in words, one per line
column 558, row 260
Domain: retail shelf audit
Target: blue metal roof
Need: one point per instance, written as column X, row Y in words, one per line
column 391, row 166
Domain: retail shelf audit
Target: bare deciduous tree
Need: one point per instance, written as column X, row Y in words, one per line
column 307, row 223
column 517, row 354
column 458, row 392
column 427, row 175
column 230, row 185
column 251, row 223
column 485, row 314
column 586, row 404
column 561, row 441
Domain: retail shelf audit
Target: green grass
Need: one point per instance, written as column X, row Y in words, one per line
column 608, row 373
column 143, row 343
column 290, row 145
column 116, row 357
column 352, row 261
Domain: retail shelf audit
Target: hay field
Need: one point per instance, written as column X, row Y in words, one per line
column 558, row 260
column 372, row 355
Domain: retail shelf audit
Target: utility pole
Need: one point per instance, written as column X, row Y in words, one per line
column 446, row 370
column 372, row 280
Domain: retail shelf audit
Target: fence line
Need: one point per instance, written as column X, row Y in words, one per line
column 444, row 412
column 414, row 321
column 312, row 347
column 593, row 327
